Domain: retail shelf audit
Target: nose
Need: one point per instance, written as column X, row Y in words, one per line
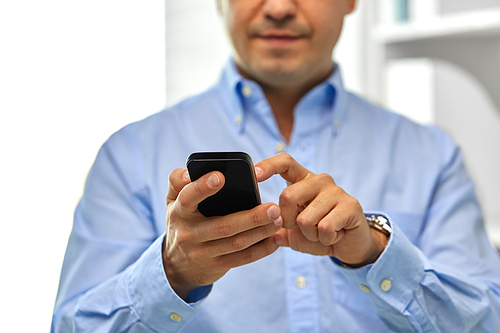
column 280, row 10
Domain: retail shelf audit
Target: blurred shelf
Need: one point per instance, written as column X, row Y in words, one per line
column 466, row 24
column 468, row 40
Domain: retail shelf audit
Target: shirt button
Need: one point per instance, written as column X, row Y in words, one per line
column 364, row 288
column 175, row 317
column 238, row 119
column 280, row 147
column 246, row 91
column 336, row 122
column 386, row 285
column 300, row 282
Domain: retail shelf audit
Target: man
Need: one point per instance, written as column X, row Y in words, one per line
column 418, row 260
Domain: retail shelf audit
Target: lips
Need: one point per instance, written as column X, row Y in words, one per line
column 280, row 33
column 283, row 35
column 279, row 37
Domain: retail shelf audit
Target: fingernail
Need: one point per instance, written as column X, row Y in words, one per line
column 277, row 239
column 258, row 171
column 273, row 212
column 213, row 180
column 186, row 175
column 278, row 222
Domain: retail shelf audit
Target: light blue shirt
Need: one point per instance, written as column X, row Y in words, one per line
column 437, row 274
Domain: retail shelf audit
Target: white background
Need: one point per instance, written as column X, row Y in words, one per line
column 71, row 73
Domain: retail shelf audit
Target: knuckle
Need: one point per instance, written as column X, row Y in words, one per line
column 255, row 218
column 282, row 155
column 325, row 228
column 304, row 221
column 224, row 228
column 286, row 196
column 324, row 177
column 352, row 202
column 183, row 237
column 195, row 256
column 238, row 243
column 288, row 158
column 249, row 256
column 266, row 231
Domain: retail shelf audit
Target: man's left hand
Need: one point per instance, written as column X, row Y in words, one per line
column 319, row 217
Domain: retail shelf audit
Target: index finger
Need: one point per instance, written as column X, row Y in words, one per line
column 284, row 165
column 177, row 179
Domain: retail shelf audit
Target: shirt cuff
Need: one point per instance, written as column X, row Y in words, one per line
column 396, row 274
column 156, row 303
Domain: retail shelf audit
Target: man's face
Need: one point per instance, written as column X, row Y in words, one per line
column 284, row 42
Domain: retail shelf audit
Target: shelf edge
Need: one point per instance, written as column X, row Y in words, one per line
column 457, row 24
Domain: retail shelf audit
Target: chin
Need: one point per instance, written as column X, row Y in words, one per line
column 280, row 69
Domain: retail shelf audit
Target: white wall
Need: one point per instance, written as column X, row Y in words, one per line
column 197, row 48
column 71, row 73
column 351, row 49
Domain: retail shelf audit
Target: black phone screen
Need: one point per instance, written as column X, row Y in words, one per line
column 240, row 191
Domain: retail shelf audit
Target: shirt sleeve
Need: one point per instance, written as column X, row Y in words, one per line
column 450, row 280
column 113, row 278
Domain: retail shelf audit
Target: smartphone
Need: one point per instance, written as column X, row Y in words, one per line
column 240, row 190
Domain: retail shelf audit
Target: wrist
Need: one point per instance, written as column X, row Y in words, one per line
column 177, row 283
column 380, row 242
column 380, row 232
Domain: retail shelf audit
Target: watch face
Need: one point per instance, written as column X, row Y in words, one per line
column 379, row 223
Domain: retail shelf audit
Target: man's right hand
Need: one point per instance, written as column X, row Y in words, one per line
column 197, row 250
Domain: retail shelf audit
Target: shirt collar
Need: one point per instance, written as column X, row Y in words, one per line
column 234, row 87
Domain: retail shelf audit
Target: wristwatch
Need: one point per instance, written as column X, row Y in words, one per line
column 379, row 223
